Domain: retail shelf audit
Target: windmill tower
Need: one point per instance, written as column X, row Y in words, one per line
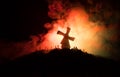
column 65, row 41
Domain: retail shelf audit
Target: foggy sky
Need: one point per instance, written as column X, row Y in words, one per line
column 19, row 16
column 21, row 19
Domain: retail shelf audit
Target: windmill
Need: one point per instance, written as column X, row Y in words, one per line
column 65, row 41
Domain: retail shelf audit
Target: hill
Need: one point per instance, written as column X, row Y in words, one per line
column 61, row 63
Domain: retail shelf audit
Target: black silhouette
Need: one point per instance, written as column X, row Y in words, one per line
column 61, row 63
column 65, row 41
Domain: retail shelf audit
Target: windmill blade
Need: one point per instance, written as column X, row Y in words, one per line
column 71, row 38
column 60, row 33
column 68, row 30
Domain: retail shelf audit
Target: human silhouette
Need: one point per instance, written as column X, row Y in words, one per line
column 65, row 41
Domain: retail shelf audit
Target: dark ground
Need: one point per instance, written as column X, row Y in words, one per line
column 61, row 63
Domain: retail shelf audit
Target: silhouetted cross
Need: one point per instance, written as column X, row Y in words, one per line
column 65, row 40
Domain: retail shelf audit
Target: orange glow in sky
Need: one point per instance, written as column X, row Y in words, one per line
column 84, row 31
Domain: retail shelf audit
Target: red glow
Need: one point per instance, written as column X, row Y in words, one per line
column 82, row 29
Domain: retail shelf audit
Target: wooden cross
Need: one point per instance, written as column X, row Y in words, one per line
column 65, row 41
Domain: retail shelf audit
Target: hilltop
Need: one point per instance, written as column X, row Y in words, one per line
column 61, row 63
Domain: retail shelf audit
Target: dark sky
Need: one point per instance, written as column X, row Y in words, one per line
column 23, row 18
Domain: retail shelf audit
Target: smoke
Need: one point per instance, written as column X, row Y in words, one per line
column 93, row 23
column 58, row 9
column 11, row 50
column 95, row 29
